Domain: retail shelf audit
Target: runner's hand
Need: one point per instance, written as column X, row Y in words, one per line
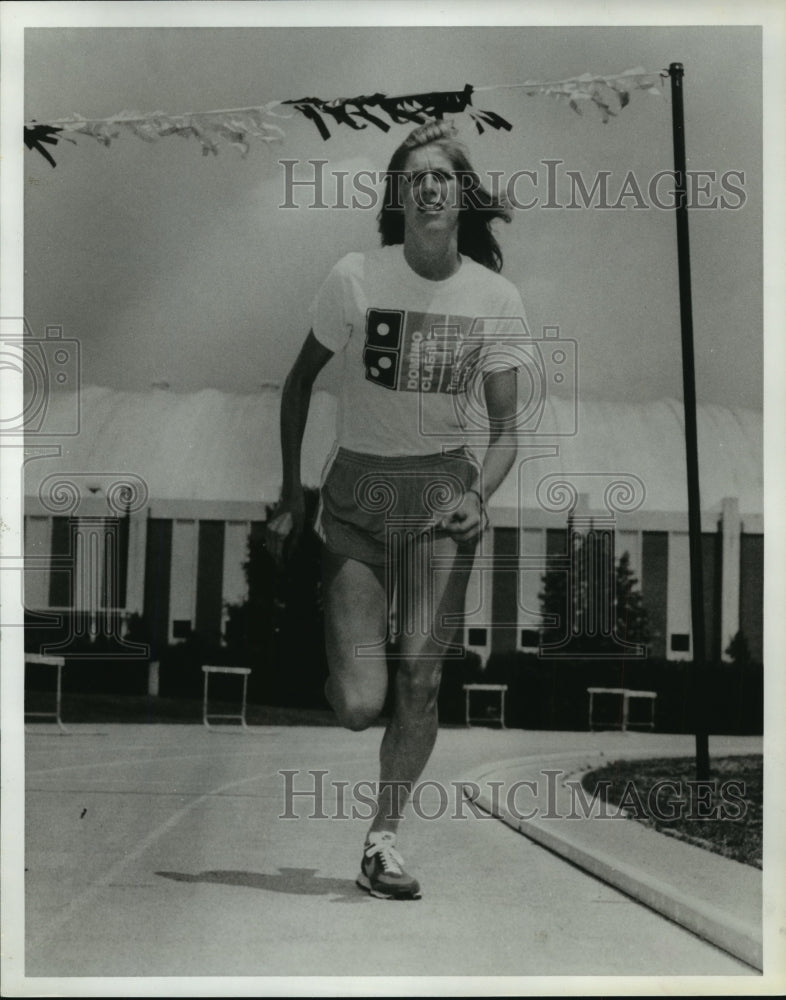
column 468, row 521
column 284, row 528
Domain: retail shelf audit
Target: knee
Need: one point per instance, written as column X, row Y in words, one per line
column 356, row 717
column 418, row 683
column 356, row 723
column 353, row 712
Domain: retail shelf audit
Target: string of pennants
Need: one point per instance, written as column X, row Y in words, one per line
column 237, row 126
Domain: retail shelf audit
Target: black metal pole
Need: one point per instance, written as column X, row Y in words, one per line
column 676, row 72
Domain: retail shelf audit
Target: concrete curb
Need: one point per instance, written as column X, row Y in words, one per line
column 738, row 934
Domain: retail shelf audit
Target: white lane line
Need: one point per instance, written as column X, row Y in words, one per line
column 189, row 756
column 138, row 760
column 59, row 790
column 84, row 897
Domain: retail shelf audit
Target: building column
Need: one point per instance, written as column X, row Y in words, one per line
column 37, row 549
column 678, row 606
column 182, row 585
column 730, row 572
column 135, row 580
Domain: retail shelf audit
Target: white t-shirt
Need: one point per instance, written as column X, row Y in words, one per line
column 415, row 350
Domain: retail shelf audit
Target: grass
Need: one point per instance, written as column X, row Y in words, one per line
column 724, row 815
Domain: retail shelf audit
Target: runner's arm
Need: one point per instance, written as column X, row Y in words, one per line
column 500, row 389
column 287, row 523
column 470, row 519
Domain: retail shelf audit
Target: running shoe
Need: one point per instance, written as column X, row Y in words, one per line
column 382, row 870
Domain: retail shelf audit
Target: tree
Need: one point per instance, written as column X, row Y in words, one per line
column 278, row 630
column 739, row 650
column 596, row 604
column 632, row 620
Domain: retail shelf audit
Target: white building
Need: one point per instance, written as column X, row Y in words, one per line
column 202, row 467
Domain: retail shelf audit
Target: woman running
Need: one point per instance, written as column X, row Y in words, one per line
column 428, row 328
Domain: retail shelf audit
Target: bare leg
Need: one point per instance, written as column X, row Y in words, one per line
column 412, row 731
column 356, row 615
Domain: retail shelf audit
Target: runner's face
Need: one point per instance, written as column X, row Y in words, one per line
column 430, row 192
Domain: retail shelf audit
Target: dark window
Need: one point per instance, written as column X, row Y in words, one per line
column 680, row 642
column 181, row 628
column 752, row 591
column 504, row 602
column 61, row 578
column 654, row 585
column 477, row 637
column 158, row 559
column 210, row 564
column 123, row 543
column 556, row 541
column 530, row 637
column 115, row 575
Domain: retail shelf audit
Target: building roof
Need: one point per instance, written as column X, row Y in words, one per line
column 218, row 446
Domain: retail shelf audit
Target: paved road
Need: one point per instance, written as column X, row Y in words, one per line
column 159, row 850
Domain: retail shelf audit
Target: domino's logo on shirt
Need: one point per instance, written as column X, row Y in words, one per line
column 382, row 353
column 418, row 352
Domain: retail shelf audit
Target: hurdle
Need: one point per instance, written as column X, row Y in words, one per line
column 49, row 661
column 626, row 694
column 501, row 689
column 209, row 669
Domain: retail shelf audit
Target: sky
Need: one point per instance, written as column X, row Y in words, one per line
column 172, row 267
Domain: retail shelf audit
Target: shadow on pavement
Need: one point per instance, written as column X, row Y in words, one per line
column 294, row 881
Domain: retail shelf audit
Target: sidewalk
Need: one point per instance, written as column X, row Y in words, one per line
column 161, row 851
column 715, row 897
